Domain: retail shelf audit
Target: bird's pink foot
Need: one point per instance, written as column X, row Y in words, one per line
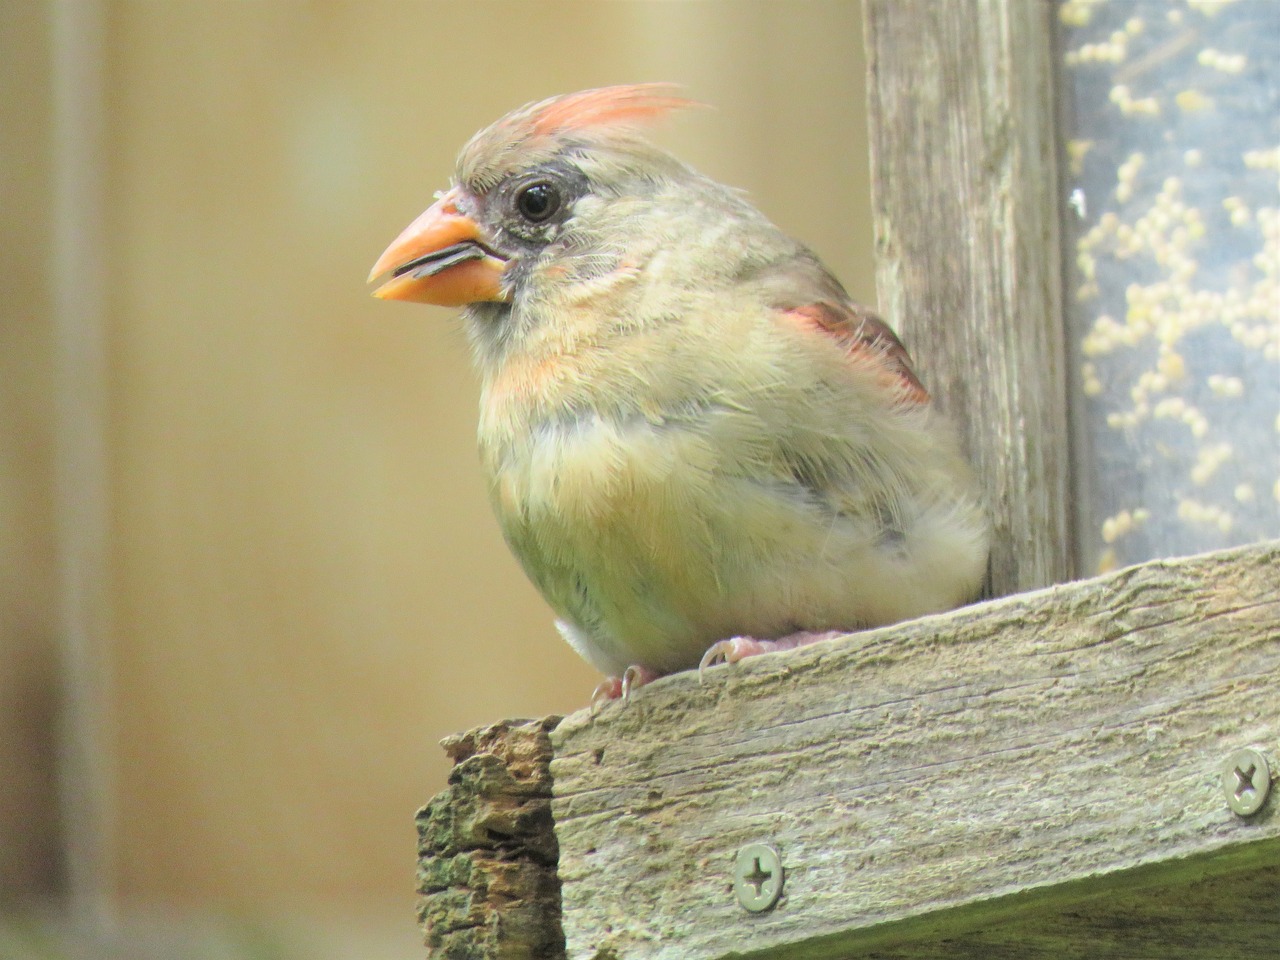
column 611, row 688
column 739, row 648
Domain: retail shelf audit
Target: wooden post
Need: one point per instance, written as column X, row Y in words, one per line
column 965, row 199
column 1046, row 775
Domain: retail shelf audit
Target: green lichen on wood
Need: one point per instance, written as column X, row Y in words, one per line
column 487, row 852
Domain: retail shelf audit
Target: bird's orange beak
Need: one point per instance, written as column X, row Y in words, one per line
column 440, row 258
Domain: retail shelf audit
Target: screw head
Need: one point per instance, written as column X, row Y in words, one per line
column 757, row 877
column 1246, row 781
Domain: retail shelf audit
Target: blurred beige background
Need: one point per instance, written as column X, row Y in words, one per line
column 283, row 569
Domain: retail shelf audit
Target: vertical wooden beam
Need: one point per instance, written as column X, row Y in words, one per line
column 32, row 866
column 78, row 275
column 965, row 202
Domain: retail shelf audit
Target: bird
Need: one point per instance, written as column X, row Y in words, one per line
column 697, row 445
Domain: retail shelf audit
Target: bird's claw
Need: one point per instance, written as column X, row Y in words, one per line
column 632, row 677
column 717, row 654
column 610, row 688
column 733, row 650
column 739, row 648
column 614, row 688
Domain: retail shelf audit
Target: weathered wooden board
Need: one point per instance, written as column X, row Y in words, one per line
column 1037, row 742
column 1221, row 907
column 965, row 199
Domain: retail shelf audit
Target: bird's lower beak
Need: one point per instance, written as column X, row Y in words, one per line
column 440, row 258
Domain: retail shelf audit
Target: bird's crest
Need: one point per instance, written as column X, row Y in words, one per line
column 536, row 128
column 630, row 105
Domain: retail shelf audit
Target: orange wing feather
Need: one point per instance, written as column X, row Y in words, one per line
column 866, row 338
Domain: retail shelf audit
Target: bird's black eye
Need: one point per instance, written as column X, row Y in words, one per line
column 538, row 201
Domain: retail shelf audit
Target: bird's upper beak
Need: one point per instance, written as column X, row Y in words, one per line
column 440, row 258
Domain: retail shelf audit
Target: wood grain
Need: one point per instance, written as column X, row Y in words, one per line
column 965, row 204
column 1038, row 742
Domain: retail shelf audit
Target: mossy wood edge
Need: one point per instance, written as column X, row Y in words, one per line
column 487, row 849
column 1035, row 776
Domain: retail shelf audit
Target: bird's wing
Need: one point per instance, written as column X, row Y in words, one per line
column 866, row 339
column 805, row 294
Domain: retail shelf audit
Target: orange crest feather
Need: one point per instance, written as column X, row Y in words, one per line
column 606, row 106
column 529, row 134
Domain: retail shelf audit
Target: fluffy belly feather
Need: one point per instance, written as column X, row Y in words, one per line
column 652, row 542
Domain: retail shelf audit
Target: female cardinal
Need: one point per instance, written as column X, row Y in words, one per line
column 698, row 446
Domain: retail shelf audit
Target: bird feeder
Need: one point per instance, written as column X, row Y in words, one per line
column 1170, row 118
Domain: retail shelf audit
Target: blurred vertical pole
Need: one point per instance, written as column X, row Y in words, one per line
column 78, row 280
